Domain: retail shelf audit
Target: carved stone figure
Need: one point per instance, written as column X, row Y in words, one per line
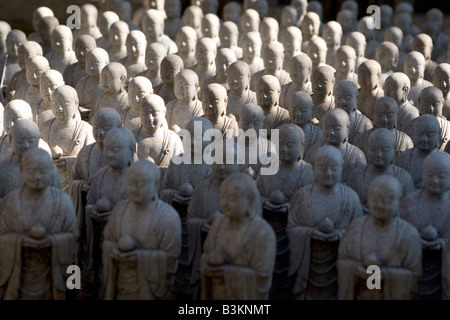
column 38, row 234
column 113, row 80
column 357, row 41
column 347, row 20
column 88, row 22
column 346, row 95
column 136, row 45
column 155, row 140
column 426, row 139
column 186, row 40
column 138, row 88
column 232, row 11
column 395, row 35
column 173, row 21
column 224, row 58
column 332, row 34
column 276, row 193
column 192, row 17
column 214, row 104
column 105, row 20
column 89, row 88
column 397, row 87
column 344, row 63
column 291, row 39
column 10, row 64
column 46, row 26
column 24, row 135
column 77, row 70
column 414, row 67
column 382, row 239
column 317, row 51
column 39, row 13
column 385, row 116
column 143, row 233
column 66, row 134
column 153, row 27
column 300, row 113
column 229, row 35
column 441, row 80
column 210, row 27
column 62, row 54
column 322, row 79
column 226, row 270
column 154, row 54
column 369, row 74
column 107, row 188
column 34, row 68
column 117, row 34
column 380, row 158
column 48, row 82
column 170, row 66
column 365, row 26
column 387, row 54
column 251, row 51
column 205, row 54
column 187, row 104
column 268, row 29
column 239, row 93
column 310, row 28
column 424, row 44
column 319, row 214
column 300, row 70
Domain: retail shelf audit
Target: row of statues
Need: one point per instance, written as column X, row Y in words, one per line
column 96, row 120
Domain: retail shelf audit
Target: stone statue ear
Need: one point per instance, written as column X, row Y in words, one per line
column 396, row 60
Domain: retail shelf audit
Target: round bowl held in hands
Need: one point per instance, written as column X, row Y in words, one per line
column 277, row 197
column 127, row 243
column 186, row 190
column 429, row 233
column 37, row 232
column 326, row 225
column 103, row 205
column 371, row 259
column 57, row 152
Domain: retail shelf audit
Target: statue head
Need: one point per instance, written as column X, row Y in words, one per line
column 192, row 17
column 14, row 40
column 322, row 80
column 441, row 78
column 26, row 51
column 346, row 96
column 357, row 41
column 291, row 143
column 153, row 25
column 228, row 34
column 186, row 40
column 369, row 74
column 345, row 60
column 436, row 173
column 118, row 33
column 152, row 112
column 105, row 20
column 414, row 66
column 251, row 116
column 424, row 44
column 170, row 66
column 381, row 148
column 335, row 127
column 205, row 52
column 387, row 54
column 251, row 46
column 426, row 133
column 36, row 169
column 83, row 44
column 385, row 192
column 310, row 25
column 327, row 166
column 154, row 55
column 210, row 25
column 250, row 21
column 46, row 26
column 119, row 148
column 136, row 44
column 24, row 136
column 214, row 101
column 35, row 66
column 88, row 16
column 239, row 75
column 113, row 78
column 96, row 60
column 186, row 85
column 292, row 39
column 300, row 69
column 385, row 113
column 224, row 58
column 104, row 120
column 394, row 35
column 61, row 39
column 397, row 87
column 48, row 82
column 38, row 14
column 142, row 182
column 268, row 91
column 332, row 33
column 317, row 51
column 300, row 108
column 431, row 101
column 14, row 110
column 232, row 11
column 65, row 104
column 138, row 88
column 268, row 29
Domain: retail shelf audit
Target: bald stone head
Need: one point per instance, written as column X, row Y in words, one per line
column 441, row 78
column 332, row 33
column 335, row 127
column 300, row 69
column 154, row 55
column 214, row 101
column 292, row 39
column 24, row 135
column 88, row 16
column 251, row 46
column 224, row 58
column 5, row 28
column 232, row 11
column 436, row 174
column 268, row 91
column 346, row 96
column 423, row 44
column 431, row 101
column 136, row 44
column 142, row 182
column 46, row 26
column 269, row 29
column 310, row 25
column 251, row 116
column 394, row 35
column 104, row 120
column 15, row 109
column 346, row 19
column 345, row 60
column 414, row 66
column 291, row 143
column 118, row 33
column 317, row 51
column 152, row 112
column 205, row 52
column 436, row 16
column 196, row 135
column 65, row 104
column 186, row 86
column 327, row 166
column 14, row 40
column 186, row 40
column 36, row 160
column 300, row 108
column 170, row 66
column 35, row 66
column 250, row 21
column 153, row 25
column 210, row 25
column 369, row 73
column 28, row 50
column 404, row 22
column 426, row 133
column 119, row 148
column 138, row 88
column 288, row 16
column 83, row 44
column 96, row 60
column 105, row 20
column 385, row 113
column 385, row 192
column 357, row 41
column 114, row 78
column 322, row 80
column 397, row 86
column 61, row 39
column 39, row 13
column 387, row 54
column 381, row 148
column 48, row 82
column 228, row 34
column 192, row 17
column 238, row 75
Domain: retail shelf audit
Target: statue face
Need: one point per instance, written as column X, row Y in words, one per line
column 346, row 100
column 205, row 54
column 227, row 38
column 209, row 28
column 152, row 117
column 248, row 23
column 116, row 153
column 117, row 36
column 185, row 43
column 213, row 106
column 185, row 90
column 299, row 74
column 291, row 45
column 331, row 36
column 367, row 80
column 94, row 66
column 238, row 81
column 46, row 87
column 233, row 203
column 37, row 175
column 383, row 204
column 388, row 60
column 436, row 179
column 153, row 60
column 307, row 28
column 22, row 141
column 101, row 126
column 135, row 47
column 414, row 69
column 111, row 83
column 443, row 83
column 394, row 90
column 12, row 46
column 290, row 148
column 222, row 64
column 300, row 114
column 11, row 116
column 168, row 72
column 33, row 73
column 327, row 171
column 152, row 29
column 321, row 85
column 273, row 61
column 249, row 120
column 61, row 42
column 317, row 54
column 81, row 50
column 63, row 108
column 267, row 95
column 136, row 93
column 335, row 131
column 141, row 188
column 385, row 117
column 425, row 138
column 431, row 104
column 344, row 64
column 380, row 153
column 251, row 49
